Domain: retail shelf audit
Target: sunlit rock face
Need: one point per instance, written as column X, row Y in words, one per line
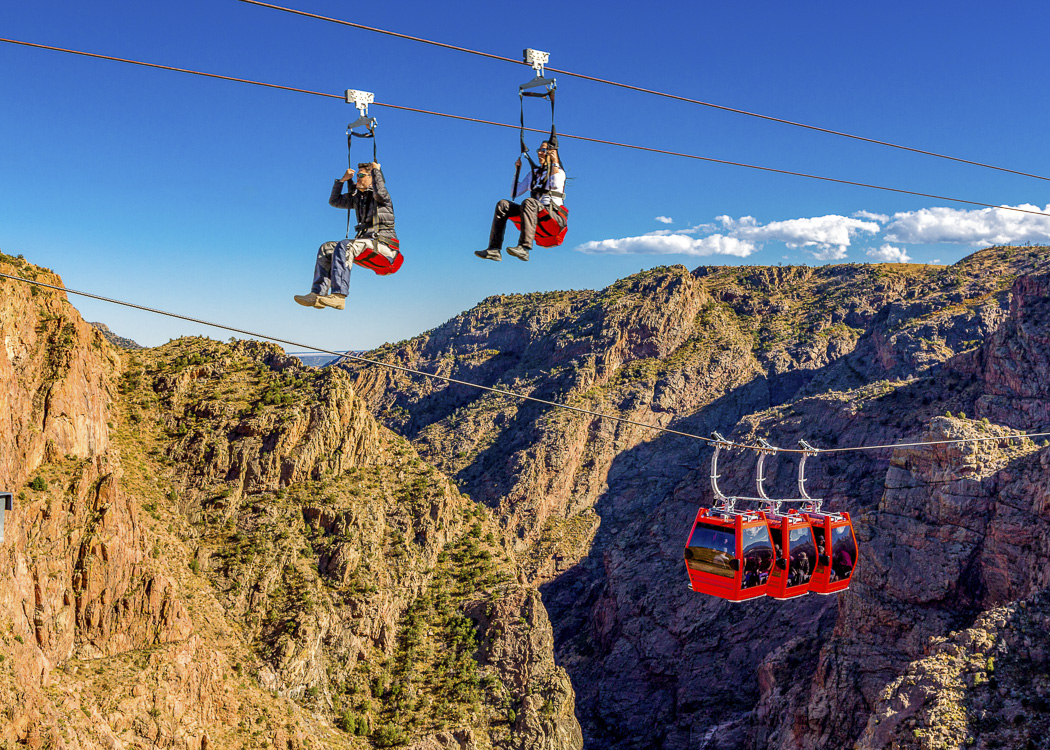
column 214, row 546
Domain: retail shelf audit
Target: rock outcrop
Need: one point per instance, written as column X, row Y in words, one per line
column 982, row 687
column 960, row 529
column 519, row 646
column 220, row 547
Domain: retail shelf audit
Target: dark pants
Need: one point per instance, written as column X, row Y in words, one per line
column 527, row 210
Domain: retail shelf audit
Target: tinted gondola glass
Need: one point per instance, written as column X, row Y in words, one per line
column 711, row 550
column 796, row 555
column 843, row 552
column 803, row 554
column 758, row 556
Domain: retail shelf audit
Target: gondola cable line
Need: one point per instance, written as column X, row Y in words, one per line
column 730, row 553
column 649, row 149
column 643, row 90
column 716, row 440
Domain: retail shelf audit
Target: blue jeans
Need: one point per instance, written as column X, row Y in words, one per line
column 331, row 271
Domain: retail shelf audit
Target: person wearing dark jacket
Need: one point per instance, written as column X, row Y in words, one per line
column 375, row 233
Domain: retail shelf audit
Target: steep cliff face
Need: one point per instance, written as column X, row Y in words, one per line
column 844, row 355
column 960, row 529
column 57, row 378
column 221, row 548
column 84, row 594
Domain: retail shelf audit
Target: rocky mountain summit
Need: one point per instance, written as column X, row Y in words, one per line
column 216, row 546
column 117, row 341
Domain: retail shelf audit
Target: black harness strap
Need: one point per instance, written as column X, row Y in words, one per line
column 539, row 174
column 350, row 135
column 349, row 165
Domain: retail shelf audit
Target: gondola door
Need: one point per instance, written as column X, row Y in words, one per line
column 836, row 552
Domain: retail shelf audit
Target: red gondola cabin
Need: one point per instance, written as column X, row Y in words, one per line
column 796, row 555
column 836, row 552
column 729, row 555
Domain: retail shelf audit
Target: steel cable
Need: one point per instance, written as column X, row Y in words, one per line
column 643, row 90
column 534, row 130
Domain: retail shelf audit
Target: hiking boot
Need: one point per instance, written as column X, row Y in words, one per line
column 308, row 300
column 334, row 301
column 489, row 253
column 519, row 251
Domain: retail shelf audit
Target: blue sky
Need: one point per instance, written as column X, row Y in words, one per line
column 209, row 198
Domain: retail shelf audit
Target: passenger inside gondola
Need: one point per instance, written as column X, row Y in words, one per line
column 758, row 556
column 818, row 534
column 803, row 552
column 778, row 541
column 843, row 553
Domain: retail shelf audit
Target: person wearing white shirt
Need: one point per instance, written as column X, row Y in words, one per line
column 546, row 186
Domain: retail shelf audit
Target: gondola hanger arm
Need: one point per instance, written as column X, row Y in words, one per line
column 764, row 449
column 723, row 503
column 807, row 451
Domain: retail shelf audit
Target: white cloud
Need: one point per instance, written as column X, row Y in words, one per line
column 658, row 243
column 829, row 235
column 890, row 254
column 985, row 226
column 834, row 252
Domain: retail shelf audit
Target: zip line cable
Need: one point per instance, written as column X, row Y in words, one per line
column 512, row 394
column 167, row 67
column 642, row 90
column 649, row 149
column 712, row 160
